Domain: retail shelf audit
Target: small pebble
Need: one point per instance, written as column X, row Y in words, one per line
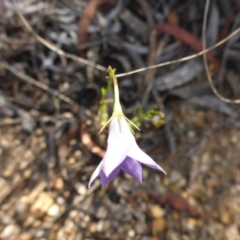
column 39, row 233
column 6, row 220
column 54, row 210
column 156, row 211
column 26, row 236
column 10, row 232
column 131, row 233
column 101, row 212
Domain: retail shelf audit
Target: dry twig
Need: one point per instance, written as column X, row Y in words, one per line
column 227, row 100
column 53, row 47
column 24, row 77
column 181, row 59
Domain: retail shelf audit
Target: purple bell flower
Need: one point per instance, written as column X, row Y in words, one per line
column 122, row 153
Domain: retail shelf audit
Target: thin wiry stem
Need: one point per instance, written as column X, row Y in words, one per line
column 62, row 54
column 181, row 59
column 227, row 100
column 24, row 77
column 53, row 47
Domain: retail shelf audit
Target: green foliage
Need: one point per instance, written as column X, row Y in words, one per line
column 155, row 117
column 103, row 110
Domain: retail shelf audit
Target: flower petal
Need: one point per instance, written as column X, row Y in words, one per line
column 115, row 154
column 133, row 168
column 119, row 140
column 95, row 174
column 106, row 180
column 136, row 153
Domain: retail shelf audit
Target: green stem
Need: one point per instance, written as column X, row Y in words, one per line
column 117, row 109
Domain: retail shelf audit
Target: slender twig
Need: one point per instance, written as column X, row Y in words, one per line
column 150, row 74
column 182, row 59
column 227, row 100
column 24, row 77
column 228, row 46
column 104, row 69
column 53, row 47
